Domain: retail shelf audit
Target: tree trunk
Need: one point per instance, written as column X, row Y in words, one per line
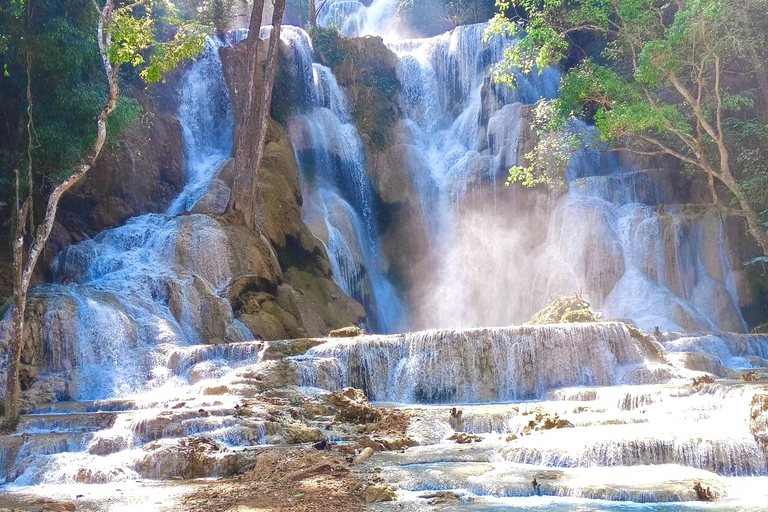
column 312, row 14
column 252, row 129
column 16, row 346
column 270, row 71
column 755, row 225
column 23, row 271
column 246, row 118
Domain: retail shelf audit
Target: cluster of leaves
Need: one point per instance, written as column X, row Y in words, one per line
column 134, row 35
column 215, row 13
column 631, row 89
column 56, row 40
column 326, row 42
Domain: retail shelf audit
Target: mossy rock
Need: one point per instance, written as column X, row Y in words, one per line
column 367, row 69
column 565, row 310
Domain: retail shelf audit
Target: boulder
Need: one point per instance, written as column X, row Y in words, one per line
column 364, row 455
column 353, row 406
column 299, row 433
column 215, row 200
column 194, row 457
column 142, row 174
column 376, row 493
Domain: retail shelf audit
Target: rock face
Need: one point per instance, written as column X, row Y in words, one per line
column 142, row 175
column 194, row 457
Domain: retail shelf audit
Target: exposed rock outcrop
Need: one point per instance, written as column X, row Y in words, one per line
column 143, row 174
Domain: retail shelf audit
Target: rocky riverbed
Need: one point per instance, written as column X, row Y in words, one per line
column 255, row 436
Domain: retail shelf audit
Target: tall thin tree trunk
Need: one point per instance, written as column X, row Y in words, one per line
column 312, row 14
column 270, row 71
column 246, row 118
column 252, row 132
column 23, row 271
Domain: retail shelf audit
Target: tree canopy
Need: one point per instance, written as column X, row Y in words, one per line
column 685, row 78
column 53, row 44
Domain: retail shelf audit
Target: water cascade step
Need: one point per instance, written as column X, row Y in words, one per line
column 484, row 365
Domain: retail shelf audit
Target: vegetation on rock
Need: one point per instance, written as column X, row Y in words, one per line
column 367, row 69
column 565, row 310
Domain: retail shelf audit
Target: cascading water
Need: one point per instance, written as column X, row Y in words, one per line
column 491, row 259
column 337, row 191
column 482, row 365
column 124, row 300
column 354, row 18
column 207, row 121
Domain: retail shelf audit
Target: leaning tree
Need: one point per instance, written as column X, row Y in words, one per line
column 125, row 34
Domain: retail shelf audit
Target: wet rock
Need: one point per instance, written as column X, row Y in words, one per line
column 704, row 493
column 347, row 332
column 364, row 455
column 749, row 376
column 441, row 497
column 298, row 433
column 194, row 457
column 546, row 421
column 758, row 420
column 216, row 199
column 317, row 303
column 105, row 445
column 465, row 438
column 279, row 349
column 353, row 406
column 704, row 379
column 696, row 361
column 143, row 174
column 376, row 493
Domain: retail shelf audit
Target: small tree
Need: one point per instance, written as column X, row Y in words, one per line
column 662, row 83
column 125, row 35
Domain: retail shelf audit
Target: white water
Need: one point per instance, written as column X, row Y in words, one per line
column 482, row 365
column 496, row 255
column 128, row 298
column 338, row 196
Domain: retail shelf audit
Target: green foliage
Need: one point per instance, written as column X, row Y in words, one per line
column 134, row 34
column 548, row 160
column 327, row 44
column 652, row 87
column 69, row 87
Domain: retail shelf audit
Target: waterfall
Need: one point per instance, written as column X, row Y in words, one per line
column 207, row 122
column 481, row 365
column 338, row 196
column 497, row 256
column 354, row 18
column 122, row 300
